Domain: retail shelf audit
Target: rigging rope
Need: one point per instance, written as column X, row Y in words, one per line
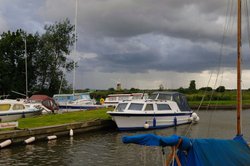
column 225, row 31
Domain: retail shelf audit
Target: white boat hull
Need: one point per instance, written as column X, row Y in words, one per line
column 125, row 121
column 73, row 107
column 14, row 115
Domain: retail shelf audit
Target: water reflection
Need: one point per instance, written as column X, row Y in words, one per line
column 105, row 147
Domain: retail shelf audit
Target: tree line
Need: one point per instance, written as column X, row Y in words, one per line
column 46, row 59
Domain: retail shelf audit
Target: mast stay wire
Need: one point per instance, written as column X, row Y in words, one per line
column 225, row 31
column 245, row 4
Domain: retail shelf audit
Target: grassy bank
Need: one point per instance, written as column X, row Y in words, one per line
column 57, row 119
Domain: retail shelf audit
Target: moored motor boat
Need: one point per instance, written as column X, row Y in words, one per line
column 75, row 102
column 11, row 110
column 47, row 103
column 167, row 109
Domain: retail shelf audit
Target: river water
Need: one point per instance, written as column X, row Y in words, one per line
column 105, row 148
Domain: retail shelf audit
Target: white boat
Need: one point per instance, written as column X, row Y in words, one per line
column 11, row 110
column 113, row 99
column 171, row 110
column 75, row 102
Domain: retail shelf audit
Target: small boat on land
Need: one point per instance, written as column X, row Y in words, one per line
column 163, row 109
column 11, row 110
column 75, row 102
column 47, row 103
column 113, row 99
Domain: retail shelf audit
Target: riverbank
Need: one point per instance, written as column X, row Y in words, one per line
column 42, row 133
column 58, row 125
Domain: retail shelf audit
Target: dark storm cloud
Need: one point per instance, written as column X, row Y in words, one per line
column 134, row 35
column 188, row 59
column 183, row 19
column 110, row 25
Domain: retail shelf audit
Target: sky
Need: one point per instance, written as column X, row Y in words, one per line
column 142, row 43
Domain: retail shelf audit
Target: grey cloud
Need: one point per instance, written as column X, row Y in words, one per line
column 134, row 36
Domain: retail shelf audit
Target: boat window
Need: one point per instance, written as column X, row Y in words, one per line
column 77, row 97
column 124, row 98
column 111, row 98
column 86, row 97
column 153, row 96
column 163, row 107
column 46, row 103
column 137, row 97
column 4, row 107
column 135, row 106
column 164, row 97
column 18, row 107
column 121, row 107
column 149, row 107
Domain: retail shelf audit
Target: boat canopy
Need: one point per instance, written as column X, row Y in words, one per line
column 71, row 97
column 199, row 152
column 177, row 97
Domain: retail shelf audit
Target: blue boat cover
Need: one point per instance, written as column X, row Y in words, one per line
column 200, row 152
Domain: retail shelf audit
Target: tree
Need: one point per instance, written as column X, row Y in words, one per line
column 54, row 45
column 220, row 89
column 12, row 61
column 192, row 85
column 206, row 89
column 111, row 89
column 46, row 57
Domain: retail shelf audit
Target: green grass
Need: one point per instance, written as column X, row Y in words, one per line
column 56, row 119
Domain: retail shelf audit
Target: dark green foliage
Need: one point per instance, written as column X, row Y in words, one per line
column 192, row 85
column 205, row 89
column 54, row 44
column 220, row 89
column 12, row 61
column 46, row 59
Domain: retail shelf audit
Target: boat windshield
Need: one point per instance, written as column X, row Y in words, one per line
column 135, row 106
column 153, row 96
column 86, row 97
column 164, row 97
column 121, row 107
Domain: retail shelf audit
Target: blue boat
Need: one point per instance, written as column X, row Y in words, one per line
column 198, row 152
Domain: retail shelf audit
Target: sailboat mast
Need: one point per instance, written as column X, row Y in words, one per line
column 239, row 97
column 26, row 67
column 74, row 72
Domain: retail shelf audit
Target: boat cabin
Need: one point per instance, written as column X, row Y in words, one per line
column 177, row 97
column 148, row 106
column 113, row 99
column 45, row 100
column 64, row 98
